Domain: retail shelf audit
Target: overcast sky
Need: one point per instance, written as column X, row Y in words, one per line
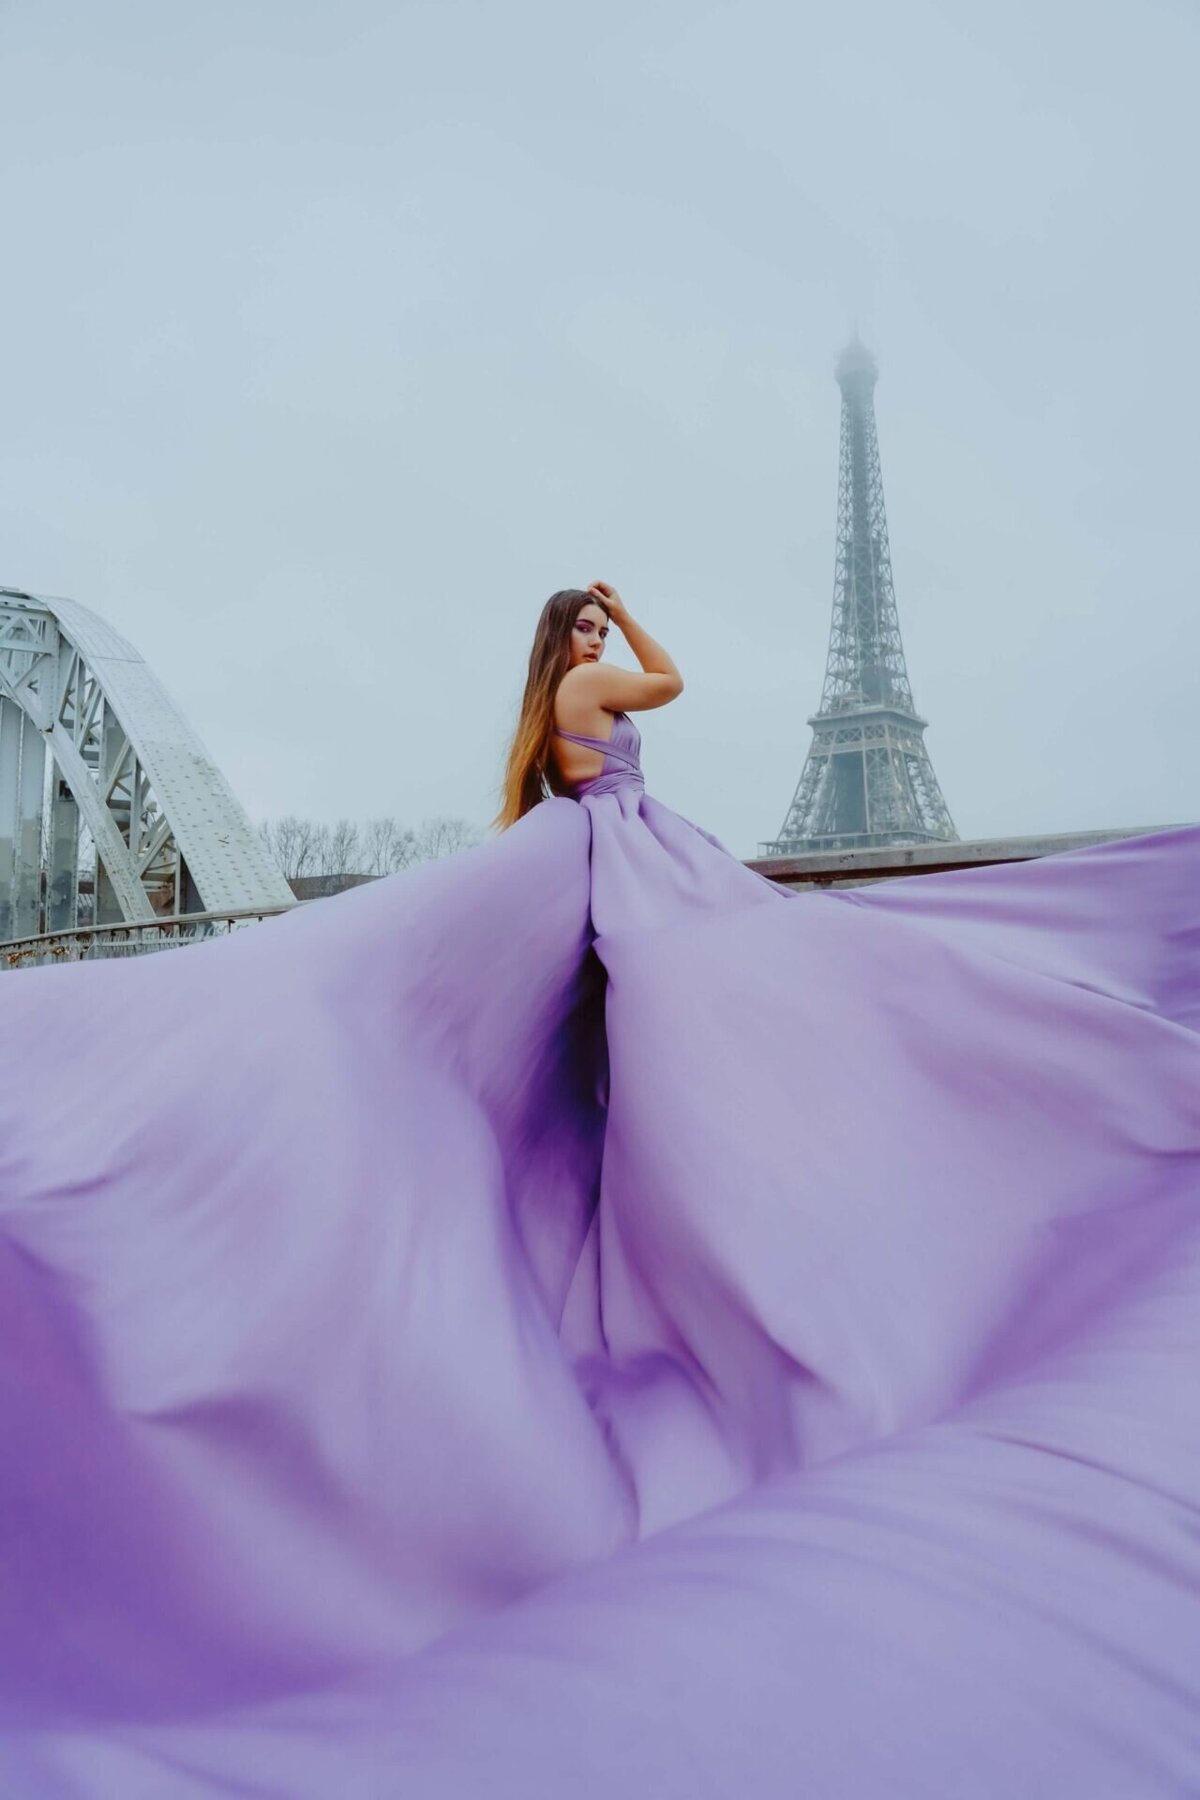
column 337, row 336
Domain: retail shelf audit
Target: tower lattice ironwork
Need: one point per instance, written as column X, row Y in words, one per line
column 867, row 780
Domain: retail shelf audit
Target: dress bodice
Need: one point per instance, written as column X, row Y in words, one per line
column 622, row 767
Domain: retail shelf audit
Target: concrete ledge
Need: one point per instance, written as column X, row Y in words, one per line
column 323, row 887
column 851, row 868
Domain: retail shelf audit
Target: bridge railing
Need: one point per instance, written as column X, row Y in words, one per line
column 90, row 942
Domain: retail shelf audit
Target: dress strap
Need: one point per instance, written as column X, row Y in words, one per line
column 602, row 744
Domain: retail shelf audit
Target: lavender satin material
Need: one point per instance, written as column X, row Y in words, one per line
column 623, row 748
column 564, row 1322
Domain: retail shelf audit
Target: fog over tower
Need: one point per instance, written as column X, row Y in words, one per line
column 867, row 779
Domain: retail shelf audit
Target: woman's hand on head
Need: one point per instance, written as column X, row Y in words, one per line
column 609, row 598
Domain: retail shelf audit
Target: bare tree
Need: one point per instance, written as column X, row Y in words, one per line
column 445, row 837
column 381, row 847
column 292, row 842
column 387, row 846
column 341, row 852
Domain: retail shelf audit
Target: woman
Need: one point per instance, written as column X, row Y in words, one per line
column 562, row 1321
column 568, row 693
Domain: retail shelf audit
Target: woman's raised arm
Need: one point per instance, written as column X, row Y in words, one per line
column 623, row 690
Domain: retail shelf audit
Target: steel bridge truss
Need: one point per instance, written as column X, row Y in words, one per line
column 111, row 809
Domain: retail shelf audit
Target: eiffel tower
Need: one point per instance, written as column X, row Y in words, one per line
column 867, row 780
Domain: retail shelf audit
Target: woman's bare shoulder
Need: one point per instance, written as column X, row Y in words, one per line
column 580, row 702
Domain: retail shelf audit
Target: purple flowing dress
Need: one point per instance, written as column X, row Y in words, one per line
column 574, row 1320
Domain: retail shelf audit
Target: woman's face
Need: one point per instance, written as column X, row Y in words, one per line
column 588, row 634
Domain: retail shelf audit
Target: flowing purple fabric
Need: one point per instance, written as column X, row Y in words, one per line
column 577, row 1321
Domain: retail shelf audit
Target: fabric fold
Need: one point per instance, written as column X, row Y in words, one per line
column 577, row 1318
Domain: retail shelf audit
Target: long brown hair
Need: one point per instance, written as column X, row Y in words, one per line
column 530, row 769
